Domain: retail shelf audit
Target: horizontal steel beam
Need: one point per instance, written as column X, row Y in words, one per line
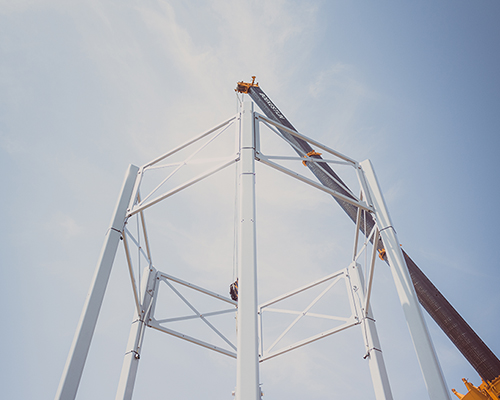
column 286, row 171
column 310, row 340
column 153, row 324
column 307, row 139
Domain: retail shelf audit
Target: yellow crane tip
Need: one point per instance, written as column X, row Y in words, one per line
column 244, row 87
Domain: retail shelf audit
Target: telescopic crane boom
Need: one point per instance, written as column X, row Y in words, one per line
column 477, row 353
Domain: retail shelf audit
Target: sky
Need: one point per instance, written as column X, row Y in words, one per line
column 89, row 87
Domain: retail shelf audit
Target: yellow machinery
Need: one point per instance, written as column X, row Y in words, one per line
column 244, row 87
column 485, row 391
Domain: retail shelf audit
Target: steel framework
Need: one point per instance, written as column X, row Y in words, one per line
column 251, row 346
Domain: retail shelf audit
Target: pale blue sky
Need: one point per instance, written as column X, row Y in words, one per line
column 87, row 87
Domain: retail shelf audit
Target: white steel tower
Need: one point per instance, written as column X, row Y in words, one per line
column 251, row 347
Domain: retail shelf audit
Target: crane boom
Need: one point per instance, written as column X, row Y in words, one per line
column 477, row 353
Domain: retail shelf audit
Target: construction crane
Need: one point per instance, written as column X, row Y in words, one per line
column 477, row 353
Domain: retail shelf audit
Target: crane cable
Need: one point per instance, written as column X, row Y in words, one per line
column 235, row 226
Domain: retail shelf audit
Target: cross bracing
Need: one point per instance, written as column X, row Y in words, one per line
column 176, row 171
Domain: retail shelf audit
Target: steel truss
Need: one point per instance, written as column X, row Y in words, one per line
column 249, row 350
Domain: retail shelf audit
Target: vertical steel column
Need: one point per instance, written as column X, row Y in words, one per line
column 134, row 344
column 429, row 364
column 376, row 363
column 77, row 356
column 247, row 364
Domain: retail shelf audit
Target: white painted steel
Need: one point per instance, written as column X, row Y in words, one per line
column 127, row 233
column 189, row 142
column 356, row 231
column 307, row 139
column 374, row 355
column 365, row 244
column 429, row 364
column 183, row 163
column 301, row 289
column 308, row 159
column 165, row 277
column 297, row 148
column 157, row 323
column 310, row 314
column 137, row 209
column 247, row 364
column 249, row 325
column 312, row 339
column 75, row 363
column 201, row 316
column 304, row 313
column 286, row 171
column 362, row 183
column 348, row 322
column 370, row 273
column 188, row 317
column 256, row 133
column 305, row 157
column 131, row 274
column 136, row 337
column 145, row 233
column 191, row 339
